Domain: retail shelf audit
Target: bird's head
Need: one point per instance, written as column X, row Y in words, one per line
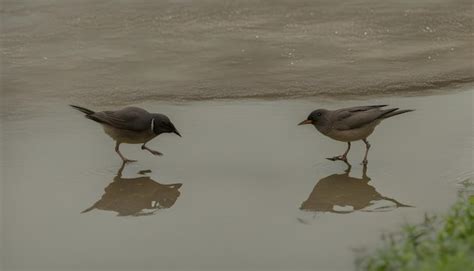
column 162, row 124
column 316, row 117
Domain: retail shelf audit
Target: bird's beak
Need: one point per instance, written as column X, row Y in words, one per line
column 305, row 122
column 176, row 132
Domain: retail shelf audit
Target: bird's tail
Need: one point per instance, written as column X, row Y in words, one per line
column 89, row 209
column 82, row 109
column 393, row 112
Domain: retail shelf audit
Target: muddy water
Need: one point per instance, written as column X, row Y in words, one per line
column 243, row 189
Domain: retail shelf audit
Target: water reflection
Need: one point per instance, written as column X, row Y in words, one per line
column 137, row 196
column 340, row 193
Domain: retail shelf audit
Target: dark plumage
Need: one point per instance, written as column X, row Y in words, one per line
column 131, row 125
column 350, row 124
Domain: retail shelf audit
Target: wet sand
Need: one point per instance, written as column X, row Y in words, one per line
column 244, row 189
column 196, row 50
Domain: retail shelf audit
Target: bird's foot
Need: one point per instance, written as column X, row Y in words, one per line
column 156, row 153
column 128, row 161
column 338, row 158
column 152, row 151
column 144, row 172
column 364, row 162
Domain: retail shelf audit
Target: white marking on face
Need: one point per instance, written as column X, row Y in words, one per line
column 152, row 124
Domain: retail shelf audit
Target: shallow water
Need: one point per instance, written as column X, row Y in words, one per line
column 114, row 52
column 245, row 188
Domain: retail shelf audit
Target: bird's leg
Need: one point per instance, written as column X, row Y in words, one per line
column 367, row 147
column 117, row 150
column 151, row 151
column 349, row 167
column 364, row 173
column 119, row 172
column 342, row 157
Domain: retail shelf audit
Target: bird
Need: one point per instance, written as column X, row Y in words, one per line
column 131, row 125
column 351, row 124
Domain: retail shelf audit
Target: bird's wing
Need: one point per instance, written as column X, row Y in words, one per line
column 129, row 118
column 362, row 108
column 355, row 117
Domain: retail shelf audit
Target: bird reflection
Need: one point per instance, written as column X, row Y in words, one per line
column 138, row 196
column 349, row 194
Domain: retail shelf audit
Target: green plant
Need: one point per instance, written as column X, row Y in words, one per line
column 445, row 244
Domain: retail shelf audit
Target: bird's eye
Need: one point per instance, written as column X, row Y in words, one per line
column 318, row 114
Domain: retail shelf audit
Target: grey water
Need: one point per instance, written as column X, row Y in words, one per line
column 245, row 188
